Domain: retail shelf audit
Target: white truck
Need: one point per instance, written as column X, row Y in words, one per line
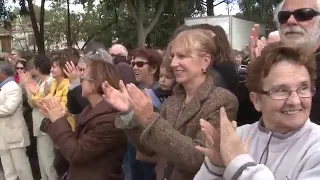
column 237, row 30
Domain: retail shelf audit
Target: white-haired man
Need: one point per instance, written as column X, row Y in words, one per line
column 120, row 59
column 118, row 49
column 299, row 25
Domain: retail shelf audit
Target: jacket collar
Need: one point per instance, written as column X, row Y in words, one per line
column 193, row 107
column 6, row 81
column 288, row 135
column 89, row 112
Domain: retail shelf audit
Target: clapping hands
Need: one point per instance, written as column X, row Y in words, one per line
column 129, row 98
column 51, row 108
column 223, row 144
column 71, row 71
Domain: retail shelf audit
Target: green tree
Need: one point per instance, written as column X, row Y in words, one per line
column 259, row 11
column 27, row 8
column 6, row 16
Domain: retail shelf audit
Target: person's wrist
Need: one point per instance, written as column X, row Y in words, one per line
column 123, row 113
column 147, row 120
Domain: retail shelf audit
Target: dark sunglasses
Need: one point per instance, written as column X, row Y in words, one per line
column 81, row 69
column 139, row 64
column 84, row 78
column 20, row 68
column 303, row 14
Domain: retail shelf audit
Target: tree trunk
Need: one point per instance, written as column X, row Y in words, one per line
column 137, row 11
column 69, row 43
column 141, row 35
column 38, row 34
column 210, row 11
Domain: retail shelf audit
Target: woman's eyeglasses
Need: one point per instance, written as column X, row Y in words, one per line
column 303, row 14
column 19, row 68
column 139, row 64
column 279, row 93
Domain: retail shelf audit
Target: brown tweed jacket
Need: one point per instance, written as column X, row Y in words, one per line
column 175, row 132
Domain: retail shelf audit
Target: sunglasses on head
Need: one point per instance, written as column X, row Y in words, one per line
column 303, row 14
column 138, row 63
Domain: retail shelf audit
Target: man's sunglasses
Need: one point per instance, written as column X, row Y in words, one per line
column 139, row 64
column 81, row 69
column 303, row 14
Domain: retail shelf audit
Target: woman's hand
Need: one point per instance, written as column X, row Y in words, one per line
column 71, row 71
column 230, row 143
column 32, row 87
column 52, row 108
column 25, row 77
column 222, row 145
column 118, row 99
column 142, row 105
column 212, row 149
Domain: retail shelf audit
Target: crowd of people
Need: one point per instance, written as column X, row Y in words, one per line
column 196, row 110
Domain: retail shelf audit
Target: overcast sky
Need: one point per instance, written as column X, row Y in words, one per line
column 221, row 9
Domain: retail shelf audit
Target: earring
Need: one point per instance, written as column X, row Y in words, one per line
column 204, row 70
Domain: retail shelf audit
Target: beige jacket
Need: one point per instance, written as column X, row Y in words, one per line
column 13, row 128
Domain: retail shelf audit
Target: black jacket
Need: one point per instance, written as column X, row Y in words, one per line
column 124, row 69
column 315, row 109
column 226, row 76
column 76, row 103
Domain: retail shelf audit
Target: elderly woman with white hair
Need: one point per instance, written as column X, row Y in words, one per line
column 284, row 144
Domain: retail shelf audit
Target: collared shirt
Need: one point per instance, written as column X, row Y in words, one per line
column 6, row 81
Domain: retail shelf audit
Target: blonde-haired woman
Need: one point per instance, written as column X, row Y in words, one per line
column 171, row 135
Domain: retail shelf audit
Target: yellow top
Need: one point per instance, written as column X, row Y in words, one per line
column 60, row 92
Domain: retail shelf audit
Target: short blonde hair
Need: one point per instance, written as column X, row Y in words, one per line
column 196, row 41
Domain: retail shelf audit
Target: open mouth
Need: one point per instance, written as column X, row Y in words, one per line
column 178, row 71
column 291, row 112
column 294, row 33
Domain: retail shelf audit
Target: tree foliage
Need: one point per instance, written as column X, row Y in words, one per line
column 6, row 16
column 259, row 11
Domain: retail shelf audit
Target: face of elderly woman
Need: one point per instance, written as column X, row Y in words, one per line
column 289, row 114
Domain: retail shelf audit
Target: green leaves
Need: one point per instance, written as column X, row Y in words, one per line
column 258, row 11
column 6, row 16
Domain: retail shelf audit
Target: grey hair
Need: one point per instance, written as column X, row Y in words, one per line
column 123, row 49
column 276, row 12
column 6, row 69
column 102, row 54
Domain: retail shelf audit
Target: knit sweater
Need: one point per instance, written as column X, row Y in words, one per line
column 272, row 156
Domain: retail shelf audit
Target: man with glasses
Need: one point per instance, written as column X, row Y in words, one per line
column 299, row 25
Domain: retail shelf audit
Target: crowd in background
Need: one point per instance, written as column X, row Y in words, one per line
column 195, row 110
